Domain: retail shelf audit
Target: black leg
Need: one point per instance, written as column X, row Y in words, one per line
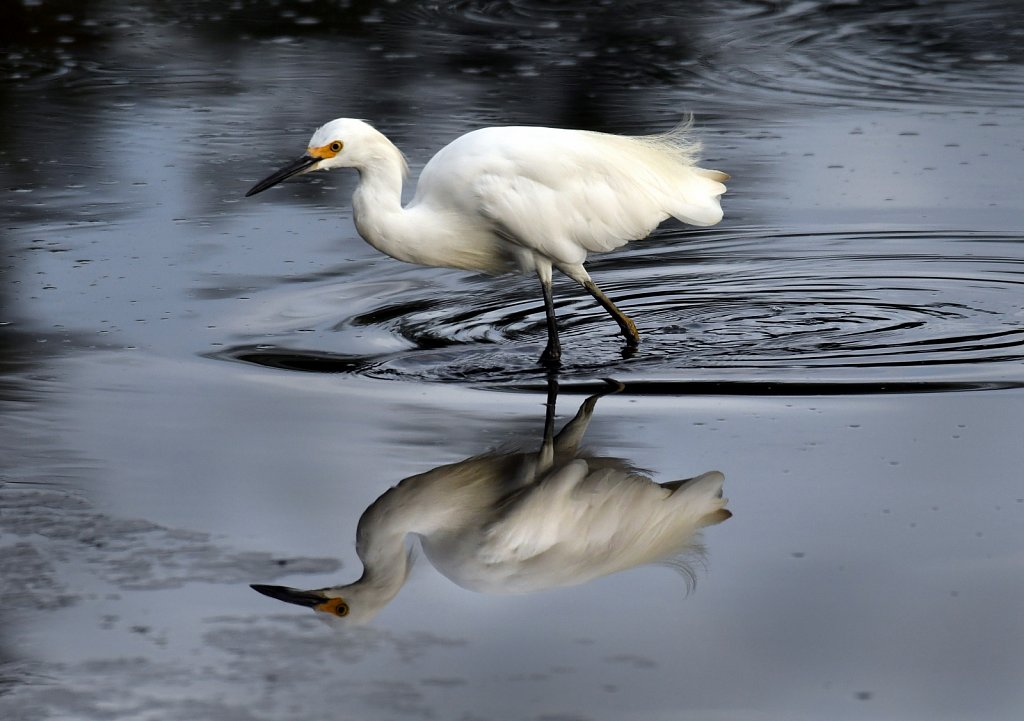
column 547, row 452
column 549, row 407
column 626, row 324
column 552, row 354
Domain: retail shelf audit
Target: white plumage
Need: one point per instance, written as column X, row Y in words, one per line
column 579, row 522
column 522, row 522
column 519, row 198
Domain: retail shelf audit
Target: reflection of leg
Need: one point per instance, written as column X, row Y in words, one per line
column 626, row 324
column 570, row 437
column 547, row 450
column 553, row 352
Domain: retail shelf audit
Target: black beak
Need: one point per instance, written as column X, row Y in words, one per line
column 309, row 599
column 299, row 166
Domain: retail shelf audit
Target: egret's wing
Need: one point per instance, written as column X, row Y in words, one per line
column 533, row 521
column 564, row 193
column 579, row 511
column 593, row 193
column 595, row 520
column 566, row 220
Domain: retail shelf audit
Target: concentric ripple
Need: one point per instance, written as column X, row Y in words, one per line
column 881, row 310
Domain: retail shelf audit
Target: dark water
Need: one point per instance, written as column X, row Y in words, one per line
column 200, row 391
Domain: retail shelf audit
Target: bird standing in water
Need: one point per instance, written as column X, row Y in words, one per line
column 519, row 199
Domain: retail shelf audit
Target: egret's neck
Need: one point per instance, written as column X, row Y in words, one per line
column 385, row 559
column 380, row 543
column 420, row 233
column 418, row 505
column 377, row 202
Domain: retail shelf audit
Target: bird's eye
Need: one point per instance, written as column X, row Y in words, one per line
column 336, row 146
column 336, row 606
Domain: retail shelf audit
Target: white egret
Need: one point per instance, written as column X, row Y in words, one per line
column 521, row 522
column 519, row 198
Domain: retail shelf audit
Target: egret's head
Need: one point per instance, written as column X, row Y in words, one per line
column 348, row 604
column 341, row 143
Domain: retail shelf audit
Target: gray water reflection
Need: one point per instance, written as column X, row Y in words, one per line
column 871, row 251
column 524, row 522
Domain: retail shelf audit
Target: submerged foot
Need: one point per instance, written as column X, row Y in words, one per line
column 551, row 357
column 632, row 338
column 629, row 332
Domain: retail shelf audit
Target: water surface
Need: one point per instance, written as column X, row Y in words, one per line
column 201, row 391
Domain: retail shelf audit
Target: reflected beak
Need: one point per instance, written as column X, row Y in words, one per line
column 309, row 599
column 299, row 166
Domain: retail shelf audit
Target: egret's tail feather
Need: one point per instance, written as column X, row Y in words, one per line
column 677, row 142
column 722, row 514
column 698, row 197
column 702, row 496
column 694, row 197
column 710, row 480
column 717, row 175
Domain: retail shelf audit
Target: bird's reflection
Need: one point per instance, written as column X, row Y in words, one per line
column 521, row 522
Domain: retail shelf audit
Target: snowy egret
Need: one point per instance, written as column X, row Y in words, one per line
column 520, row 522
column 519, row 198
